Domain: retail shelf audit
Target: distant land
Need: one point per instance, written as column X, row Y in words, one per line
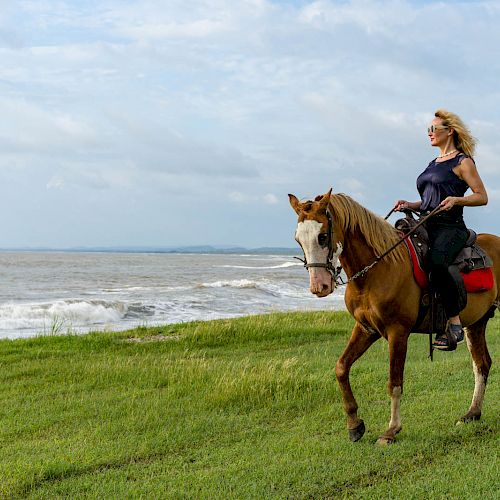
column 216, row 249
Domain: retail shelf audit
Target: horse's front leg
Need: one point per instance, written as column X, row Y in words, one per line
column 398, row 343
column 359, row 342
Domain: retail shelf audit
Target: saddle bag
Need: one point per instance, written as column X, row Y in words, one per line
column 472, row 256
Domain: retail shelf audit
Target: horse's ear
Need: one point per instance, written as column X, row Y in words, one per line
column 325, row 199
column 294, row 202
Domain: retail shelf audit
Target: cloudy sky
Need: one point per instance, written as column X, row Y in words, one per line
column 188, row 121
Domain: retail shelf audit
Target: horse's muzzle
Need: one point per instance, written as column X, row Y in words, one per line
column 324, row 292
column 321, row 283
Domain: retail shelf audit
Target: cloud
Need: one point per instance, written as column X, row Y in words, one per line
column 238, row 102
column 55, row 183
column 196, row 29
column 369, row 16
column 29, row 128
column 270, row 199
column 239, row 197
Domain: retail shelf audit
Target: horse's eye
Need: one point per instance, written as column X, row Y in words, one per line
column 322, row 239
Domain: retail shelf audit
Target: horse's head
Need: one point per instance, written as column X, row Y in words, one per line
column 316, row 234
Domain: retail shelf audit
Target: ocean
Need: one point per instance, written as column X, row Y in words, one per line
column 43, row 293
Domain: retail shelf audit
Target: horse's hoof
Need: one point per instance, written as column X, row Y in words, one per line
column 469, row 417
column 389, row 437
column 385, row 440
column 357, row 433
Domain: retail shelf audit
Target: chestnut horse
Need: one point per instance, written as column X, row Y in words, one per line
column 385, row 299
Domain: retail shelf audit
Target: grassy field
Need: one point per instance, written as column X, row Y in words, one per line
column 243, row 408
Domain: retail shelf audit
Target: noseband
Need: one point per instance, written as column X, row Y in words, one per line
column 328, row 265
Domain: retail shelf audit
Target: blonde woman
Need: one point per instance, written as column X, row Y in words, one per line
column 444, row 183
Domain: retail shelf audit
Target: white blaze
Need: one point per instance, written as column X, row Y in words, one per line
column 307, row 235
column 321, row 280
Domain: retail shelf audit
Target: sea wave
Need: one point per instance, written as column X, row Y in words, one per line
column 284, row 264
column 241, row 283
column 67, row 313
column 125, row 289
column 153, row 290
column 264, row 285
column 131, row 290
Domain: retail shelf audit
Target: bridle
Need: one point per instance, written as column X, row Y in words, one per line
column 328, row 265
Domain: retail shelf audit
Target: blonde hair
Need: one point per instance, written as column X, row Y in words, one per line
column 464, row 141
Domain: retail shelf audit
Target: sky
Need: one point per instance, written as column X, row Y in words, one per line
column 187, row 122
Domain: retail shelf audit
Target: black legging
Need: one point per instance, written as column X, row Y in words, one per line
column 446, row 241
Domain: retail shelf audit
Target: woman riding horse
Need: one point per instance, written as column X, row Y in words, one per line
column 382, row 295
column 444, row 183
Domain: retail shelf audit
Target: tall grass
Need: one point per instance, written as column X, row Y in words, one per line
column 243, row 408
column 59, row 325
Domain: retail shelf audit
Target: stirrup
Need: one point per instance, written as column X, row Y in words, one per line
column 448, row 341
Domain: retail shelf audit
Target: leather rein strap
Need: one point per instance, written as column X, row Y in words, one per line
column 335, row 271
column 389, row 250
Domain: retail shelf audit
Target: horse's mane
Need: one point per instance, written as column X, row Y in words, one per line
column 378, row 233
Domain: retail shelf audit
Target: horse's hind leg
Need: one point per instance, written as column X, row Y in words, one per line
column 359, row 342
column 481, row 364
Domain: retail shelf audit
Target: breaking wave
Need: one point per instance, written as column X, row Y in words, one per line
column 69, row 313
column 279, row 266
column 263, row 285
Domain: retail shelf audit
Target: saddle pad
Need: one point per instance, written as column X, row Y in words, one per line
column 479, row 280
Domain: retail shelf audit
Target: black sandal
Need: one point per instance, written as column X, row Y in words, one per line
column 449, row 340
column 441, row 343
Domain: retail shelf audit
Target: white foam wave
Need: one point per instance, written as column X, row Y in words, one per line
column 243, row 283
column 284, row 264
column 132, row 289
column 272, row 288
column 125, row 289
column 65, row 313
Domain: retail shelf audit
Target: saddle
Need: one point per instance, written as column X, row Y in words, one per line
column 471, row 270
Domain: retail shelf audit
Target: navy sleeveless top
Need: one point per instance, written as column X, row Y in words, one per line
column 438, row 181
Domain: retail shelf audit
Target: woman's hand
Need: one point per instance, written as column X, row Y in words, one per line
column 400, row 204
column 448, row 203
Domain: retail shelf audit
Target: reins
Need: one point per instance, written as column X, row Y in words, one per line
column 389, row 250
column 335, row 271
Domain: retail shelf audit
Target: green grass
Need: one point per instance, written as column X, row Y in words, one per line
column 242, row 408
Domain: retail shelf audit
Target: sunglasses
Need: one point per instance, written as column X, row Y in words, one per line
column 433, row 128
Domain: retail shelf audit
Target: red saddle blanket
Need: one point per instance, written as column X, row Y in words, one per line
column 479, row 280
